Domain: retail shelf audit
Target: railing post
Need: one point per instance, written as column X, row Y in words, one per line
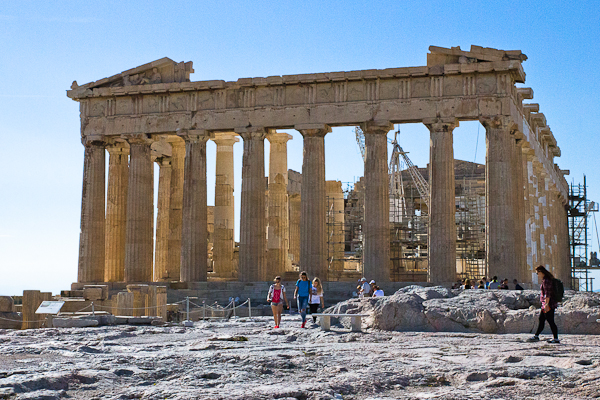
column 249, row 308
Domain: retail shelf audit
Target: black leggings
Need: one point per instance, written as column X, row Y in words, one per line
column 313, row 310
column 548, row 316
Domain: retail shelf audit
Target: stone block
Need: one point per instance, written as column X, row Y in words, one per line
column 92, row 293
column 75, row 305
column 123, row 304
column 144, row 320
column 74, row 322
column 93, row 289
column 31, row 301
column 140, row 299
column 6, row 304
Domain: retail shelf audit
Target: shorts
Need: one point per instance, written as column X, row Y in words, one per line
column 302, row 302
column 276, row 304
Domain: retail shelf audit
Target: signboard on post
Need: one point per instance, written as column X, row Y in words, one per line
column 50, row 307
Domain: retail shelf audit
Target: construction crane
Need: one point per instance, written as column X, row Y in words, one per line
column 396, row 184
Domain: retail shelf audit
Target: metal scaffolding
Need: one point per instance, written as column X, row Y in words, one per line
column 579, row 212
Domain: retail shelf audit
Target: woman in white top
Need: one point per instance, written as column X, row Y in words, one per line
column 316, row 298
column 276, row 297
column 377, row 292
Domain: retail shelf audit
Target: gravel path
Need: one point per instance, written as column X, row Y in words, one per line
column 248, row 359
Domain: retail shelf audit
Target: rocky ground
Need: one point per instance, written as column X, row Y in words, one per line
column 248, row 359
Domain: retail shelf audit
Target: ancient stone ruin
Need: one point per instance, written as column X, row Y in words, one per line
column 291, row 221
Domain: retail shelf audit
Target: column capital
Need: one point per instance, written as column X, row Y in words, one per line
column 117, row 148
column 137, row 138
column 194, row 135
column 278, row 137
column 441, row 124
column 163, row 161
column 251, row 132
column 376, row 127
column 93, row 140
column 499, row 122
column 225, row 138
column 312, row 130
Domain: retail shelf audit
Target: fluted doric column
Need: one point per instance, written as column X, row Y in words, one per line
column 519, row 207
column 224, row 212
column 499, row 194
column 194, row 252
column 140, row 211
column 442, row 203
column 376, row 224
column 278, row 216
column 534, row 208
column 529, row 215
column 335, row 229
column 253, row 246
column 176, row 207
column 91, row 237
column 161, row 257
column 564, row 251
column 543, row 210
column 313, row 230
column 116, row 212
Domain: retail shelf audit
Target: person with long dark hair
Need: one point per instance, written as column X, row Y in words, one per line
column 548, row 305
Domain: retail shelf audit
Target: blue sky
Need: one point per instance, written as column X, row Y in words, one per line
column 47, row 45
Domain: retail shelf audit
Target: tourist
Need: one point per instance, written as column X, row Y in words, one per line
column 316, row 298
column 486, row 284
column 548, row 305
column 302, row 295
column 504, row 284
column 467, row 284
column 481, row 284
column 276, row 297
column 377, row 292
column 517, row 286
column 365, row 288
column 494, row 283
column 372, row 285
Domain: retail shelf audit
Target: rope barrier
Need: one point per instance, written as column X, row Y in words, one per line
column 26, row 322
column 129, row 308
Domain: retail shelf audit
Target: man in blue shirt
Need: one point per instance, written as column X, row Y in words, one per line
column 302, row 294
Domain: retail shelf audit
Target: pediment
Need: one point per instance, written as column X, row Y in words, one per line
column 163, row 70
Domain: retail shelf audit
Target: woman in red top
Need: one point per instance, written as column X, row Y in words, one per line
column 548, row 305
column 276, row 297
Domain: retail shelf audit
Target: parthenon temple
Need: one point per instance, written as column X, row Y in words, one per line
column 292, row 221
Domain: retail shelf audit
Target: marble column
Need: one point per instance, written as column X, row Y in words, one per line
column 176, row 207
column 161, row 256
column 194, row 254
column 295, row 210
column 253, row 243
column 313, row 230
column 224, row 213
column 376, row 224
column 536, row 221
column 519, row 207
column 499, row 193
column 91, row 236
column 563, row 244
column 543, row 207
column 529, row 216
column 442, row 206
column 116, row 212
column 335, row 229
column 277, row 202
column 139, row 242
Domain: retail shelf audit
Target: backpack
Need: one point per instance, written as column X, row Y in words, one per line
column 558, row 290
